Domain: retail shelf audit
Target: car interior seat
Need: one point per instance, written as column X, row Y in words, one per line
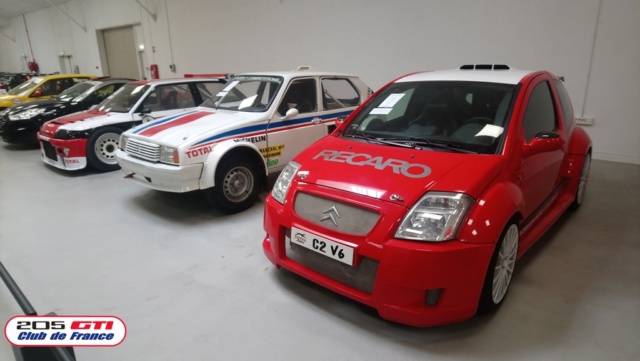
column 170, row 101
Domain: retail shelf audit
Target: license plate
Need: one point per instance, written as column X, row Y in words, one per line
column 321, row 245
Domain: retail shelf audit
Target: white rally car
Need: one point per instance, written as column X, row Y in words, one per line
column 229, row 144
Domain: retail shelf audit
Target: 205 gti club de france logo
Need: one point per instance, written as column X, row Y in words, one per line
column 72, row 331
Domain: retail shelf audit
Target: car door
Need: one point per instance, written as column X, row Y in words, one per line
column 320, row 101
column 286, row 138
column 541, row 164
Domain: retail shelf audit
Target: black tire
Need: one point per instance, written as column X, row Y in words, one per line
column 582, row 182
column 101, row 149
column 500, row 270
column 238, row 183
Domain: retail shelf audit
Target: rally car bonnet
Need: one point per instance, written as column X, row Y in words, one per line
column 49, row 128
column 383, row 171
column 189, row 127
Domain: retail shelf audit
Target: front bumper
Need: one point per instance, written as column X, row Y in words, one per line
column 163, row 177
column 416, row 283
column 68, row 154
column 21, row 131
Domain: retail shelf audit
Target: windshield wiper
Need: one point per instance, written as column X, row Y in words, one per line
column 369, row 139
column 421, row 142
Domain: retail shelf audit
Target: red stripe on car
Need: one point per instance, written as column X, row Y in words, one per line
column 174, row 123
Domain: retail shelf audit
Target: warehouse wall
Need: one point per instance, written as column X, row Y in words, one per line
column 593, row 43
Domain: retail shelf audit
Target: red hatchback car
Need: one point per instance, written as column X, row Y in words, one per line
column 420, row 203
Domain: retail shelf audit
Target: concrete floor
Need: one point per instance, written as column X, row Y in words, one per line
column 192, row 284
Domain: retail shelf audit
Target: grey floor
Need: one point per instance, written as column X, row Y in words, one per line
column 192, row 284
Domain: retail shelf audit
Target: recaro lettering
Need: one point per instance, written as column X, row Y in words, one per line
column 411, row 170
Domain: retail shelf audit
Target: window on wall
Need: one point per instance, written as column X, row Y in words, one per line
column 338, row 93
column 540, row 115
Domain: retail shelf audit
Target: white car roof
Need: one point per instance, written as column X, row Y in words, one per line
column 301, row 71
column 506, row 76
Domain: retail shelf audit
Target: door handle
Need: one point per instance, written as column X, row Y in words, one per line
column 316, row 120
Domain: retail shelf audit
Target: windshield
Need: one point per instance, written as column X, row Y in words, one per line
column 75, row 90
column 27, row 85
column 459, row 116
column 124, row 99
column 246, row 94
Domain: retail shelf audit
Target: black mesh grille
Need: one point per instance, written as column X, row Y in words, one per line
column 49, row 150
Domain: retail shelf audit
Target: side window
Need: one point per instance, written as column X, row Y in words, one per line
column 540, row 114
column 174, row 96
column 338, row 93
column 207, row 90
column 300, row 95
column 151, row 102
column 565, row 101
column 48, row 88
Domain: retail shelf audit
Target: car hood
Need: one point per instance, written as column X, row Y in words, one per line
column 49, row 128
column 395, row 174
column 192, row 127
column 49, row 103
column 10, row 100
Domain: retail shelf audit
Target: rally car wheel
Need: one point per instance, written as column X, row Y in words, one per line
column 101, row 149
column 237, row 184
column 498, row 278
column 582, row 183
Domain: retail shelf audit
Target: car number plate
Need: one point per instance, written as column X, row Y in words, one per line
column 321, row 245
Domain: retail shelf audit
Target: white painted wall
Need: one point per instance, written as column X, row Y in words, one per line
column 593, row 43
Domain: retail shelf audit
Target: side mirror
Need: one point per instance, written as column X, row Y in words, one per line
column 291, row 113
column 145, row 111
column 36, row 94
column 546, row 142
column 340, row 120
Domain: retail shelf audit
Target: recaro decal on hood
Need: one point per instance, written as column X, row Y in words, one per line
column 411, row 170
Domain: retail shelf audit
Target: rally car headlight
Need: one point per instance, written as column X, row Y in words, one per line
column 435, row 217
column 72, row 134
column 280, row 188
column 123, row 142
column 27, row 114
column 169, row 155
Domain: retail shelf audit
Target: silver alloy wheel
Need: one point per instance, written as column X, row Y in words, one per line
column 106, row 146
column 584, row 179
column 505, row 264
column 238, row 184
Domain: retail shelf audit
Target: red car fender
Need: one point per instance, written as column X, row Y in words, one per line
column 207, row 179
column 491, row 213
column 579, row 146
column 580, row 143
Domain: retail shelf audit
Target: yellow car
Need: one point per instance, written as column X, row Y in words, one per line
column 41, row 87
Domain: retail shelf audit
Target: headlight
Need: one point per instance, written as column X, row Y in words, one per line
column 169, row 155
column 279, row 191
column 436, row 217
column 72, row 134
column 27, row 114
column 123, row 142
